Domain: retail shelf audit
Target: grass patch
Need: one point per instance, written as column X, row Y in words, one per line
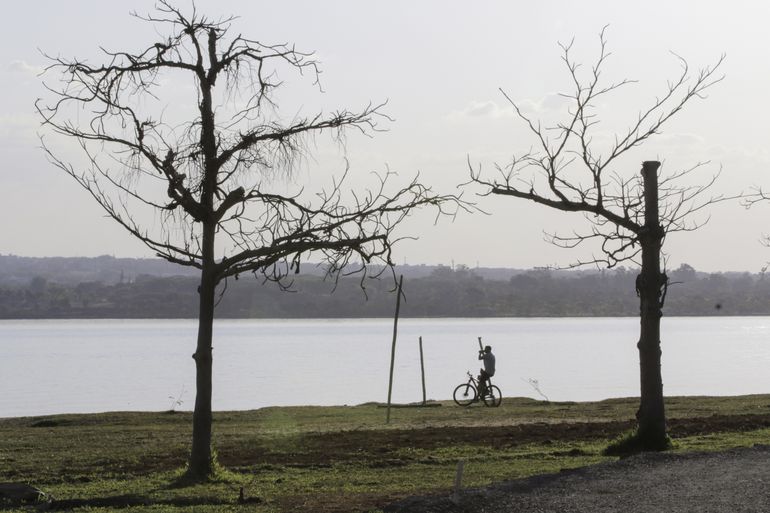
column 633, row 443
column 335, row 459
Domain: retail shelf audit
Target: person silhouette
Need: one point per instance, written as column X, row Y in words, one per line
column 489, row 368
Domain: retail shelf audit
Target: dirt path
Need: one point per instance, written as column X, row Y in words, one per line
column 734, row 481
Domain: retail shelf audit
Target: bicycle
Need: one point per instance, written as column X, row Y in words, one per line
column 467, row 393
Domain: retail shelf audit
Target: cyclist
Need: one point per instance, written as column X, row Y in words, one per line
column 489, row 369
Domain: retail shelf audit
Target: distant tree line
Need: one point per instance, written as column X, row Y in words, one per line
column 18, row 270
column 444, row 292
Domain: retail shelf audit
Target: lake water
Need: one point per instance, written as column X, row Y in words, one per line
column 73, row 366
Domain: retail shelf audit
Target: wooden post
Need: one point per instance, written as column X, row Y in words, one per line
column 393, row 346
column 422, row 371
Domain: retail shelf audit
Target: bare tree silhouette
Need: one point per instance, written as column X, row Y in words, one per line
column 758, row 195
column 215, row 181
column 628, row 216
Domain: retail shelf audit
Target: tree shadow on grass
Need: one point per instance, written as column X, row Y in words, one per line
column 131, row 500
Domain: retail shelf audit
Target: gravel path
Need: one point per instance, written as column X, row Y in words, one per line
column 734, row 481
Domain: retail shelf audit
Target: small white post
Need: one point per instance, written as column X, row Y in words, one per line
column 459, row 479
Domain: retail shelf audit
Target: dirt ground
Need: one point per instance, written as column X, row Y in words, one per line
column 323, row 449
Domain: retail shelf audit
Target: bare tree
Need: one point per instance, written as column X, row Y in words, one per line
column 214, row 178
column 756, row 196
column 628, row 216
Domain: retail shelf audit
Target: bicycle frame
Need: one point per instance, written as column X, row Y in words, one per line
column 473, row 381
column 470, row 393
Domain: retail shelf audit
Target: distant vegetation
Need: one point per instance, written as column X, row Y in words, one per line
column 107, row 287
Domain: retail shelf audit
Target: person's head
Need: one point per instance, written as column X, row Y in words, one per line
column 487, row 349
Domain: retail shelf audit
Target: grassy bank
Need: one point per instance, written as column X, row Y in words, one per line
column 339, row 458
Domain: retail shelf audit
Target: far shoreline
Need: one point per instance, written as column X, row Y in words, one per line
column 401, row 317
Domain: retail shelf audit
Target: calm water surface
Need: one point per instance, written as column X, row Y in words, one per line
column 105, row 365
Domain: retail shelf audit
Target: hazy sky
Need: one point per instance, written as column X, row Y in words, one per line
column 439, row 65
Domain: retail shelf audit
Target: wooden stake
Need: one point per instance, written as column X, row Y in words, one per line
column 393, row 346
column 422, row 371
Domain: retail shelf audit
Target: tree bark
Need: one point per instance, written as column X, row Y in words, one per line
column 201, row 463
column 651, row 414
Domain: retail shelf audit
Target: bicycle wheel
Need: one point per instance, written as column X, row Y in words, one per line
column 493, row 397
column 464, row 394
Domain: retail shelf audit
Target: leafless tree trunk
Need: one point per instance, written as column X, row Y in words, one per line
column 210, row 177
column 651, row 284
column 201, row 460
